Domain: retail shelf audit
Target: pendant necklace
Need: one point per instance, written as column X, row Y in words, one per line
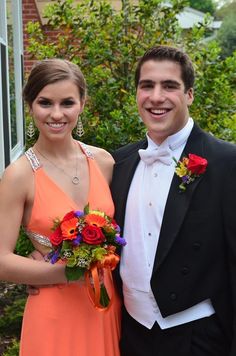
column 74, row 179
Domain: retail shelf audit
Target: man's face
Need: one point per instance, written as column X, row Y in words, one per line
column 161, row 99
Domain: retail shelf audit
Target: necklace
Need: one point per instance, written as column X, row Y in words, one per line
column 74, row 179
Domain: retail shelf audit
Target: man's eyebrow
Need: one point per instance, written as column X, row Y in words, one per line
column 163, row 82
column 146, row 81
column 171, row 82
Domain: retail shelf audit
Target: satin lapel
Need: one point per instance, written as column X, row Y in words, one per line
column 122, row 177
column 178, row 202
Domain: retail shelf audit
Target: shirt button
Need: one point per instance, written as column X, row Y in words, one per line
column 150, row 204
column 185, row 270
column 149, row 234
column 155, row 175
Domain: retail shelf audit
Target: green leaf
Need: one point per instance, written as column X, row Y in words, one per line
column 104, row 297
column 86, row 209
column 74, row 273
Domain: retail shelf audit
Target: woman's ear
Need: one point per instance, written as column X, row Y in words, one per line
column 82, row 105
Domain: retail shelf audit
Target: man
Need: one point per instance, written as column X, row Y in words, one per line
column 178, row 269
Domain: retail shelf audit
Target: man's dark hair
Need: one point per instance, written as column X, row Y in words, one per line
column 161, row 53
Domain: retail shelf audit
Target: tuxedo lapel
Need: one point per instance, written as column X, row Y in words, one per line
column 178, row 202
column 123, row 174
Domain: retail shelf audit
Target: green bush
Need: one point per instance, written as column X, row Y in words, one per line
column 24, row 245
column 12, row 304
column 12, row 350
column 106, row 44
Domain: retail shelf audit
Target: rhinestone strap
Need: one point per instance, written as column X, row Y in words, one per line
column 86, row 150
column 43, row 240
column 34, row 162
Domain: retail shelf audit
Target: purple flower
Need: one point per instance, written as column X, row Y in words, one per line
column 117, row 228
column 185, row 179
column 54, row 256
column 79, row 213
column 77, row 240
column 120, row 240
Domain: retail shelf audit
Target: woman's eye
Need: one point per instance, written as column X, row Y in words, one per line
column 44, row 103
column 68, row 103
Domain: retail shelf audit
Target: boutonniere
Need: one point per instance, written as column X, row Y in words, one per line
column 189, row 168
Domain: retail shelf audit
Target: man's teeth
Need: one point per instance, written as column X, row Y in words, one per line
column 158, row 111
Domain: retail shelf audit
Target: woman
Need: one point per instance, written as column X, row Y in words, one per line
column 55, row 176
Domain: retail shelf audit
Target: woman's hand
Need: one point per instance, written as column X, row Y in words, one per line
column 30, row 289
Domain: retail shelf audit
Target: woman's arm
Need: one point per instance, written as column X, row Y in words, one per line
column 14, row 190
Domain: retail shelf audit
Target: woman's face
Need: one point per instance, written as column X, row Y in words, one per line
column 56, row 109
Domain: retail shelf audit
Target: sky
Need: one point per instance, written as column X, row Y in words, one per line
column 222, row 2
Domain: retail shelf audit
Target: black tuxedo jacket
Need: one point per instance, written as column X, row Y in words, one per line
column 196, row 254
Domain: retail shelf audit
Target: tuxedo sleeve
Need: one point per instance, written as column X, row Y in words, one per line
column 229, row 216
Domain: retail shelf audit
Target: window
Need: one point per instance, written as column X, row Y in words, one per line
column 11, row 78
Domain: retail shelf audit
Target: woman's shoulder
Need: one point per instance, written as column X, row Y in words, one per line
column 17, row 172
column 104, row 160
column 101, row 154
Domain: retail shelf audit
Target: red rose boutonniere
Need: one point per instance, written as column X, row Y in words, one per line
column 189, row 168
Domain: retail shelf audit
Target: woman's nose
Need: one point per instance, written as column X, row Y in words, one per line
column 56, row 112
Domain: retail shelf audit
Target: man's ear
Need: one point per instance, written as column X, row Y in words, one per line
column 190, row 96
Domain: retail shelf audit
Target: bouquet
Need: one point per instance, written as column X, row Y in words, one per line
column 87, row 241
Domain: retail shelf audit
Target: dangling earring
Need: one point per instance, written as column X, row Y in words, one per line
column 30, row 130
column 79, row 128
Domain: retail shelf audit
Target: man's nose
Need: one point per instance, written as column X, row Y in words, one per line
column 157, row 94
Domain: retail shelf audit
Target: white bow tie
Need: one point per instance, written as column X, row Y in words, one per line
column 162, row 154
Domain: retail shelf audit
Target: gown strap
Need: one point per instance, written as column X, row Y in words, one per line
column 41, row 239
column 86, row 150
column 31, row 156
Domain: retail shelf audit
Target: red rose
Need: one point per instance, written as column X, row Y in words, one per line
column 196, row 164
column 56, row 237
column 69, row 216
column 92, row 235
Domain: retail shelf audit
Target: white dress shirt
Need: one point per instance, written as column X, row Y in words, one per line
column 143, row 218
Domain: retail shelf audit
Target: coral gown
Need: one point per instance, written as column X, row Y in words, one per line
column 61, row 319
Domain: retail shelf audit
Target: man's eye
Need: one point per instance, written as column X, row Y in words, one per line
column 171, row 87
column 146, row 86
